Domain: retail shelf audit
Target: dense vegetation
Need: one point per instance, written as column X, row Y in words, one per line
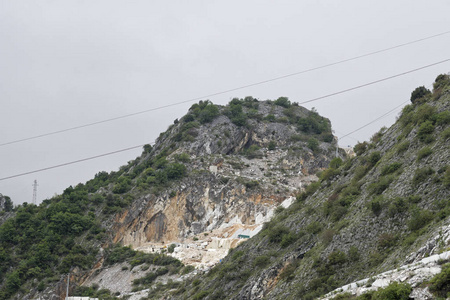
column 394, row 191
column 65, row 232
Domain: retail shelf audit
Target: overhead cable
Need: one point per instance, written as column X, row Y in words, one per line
column 130, row 148
column 380, row 117
column 315, row 99
column 374, row 82
column 373, row 121
column 72, row 162
column 225, row 91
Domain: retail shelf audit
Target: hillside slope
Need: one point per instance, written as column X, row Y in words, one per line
column 375, row 212
column 214, row 173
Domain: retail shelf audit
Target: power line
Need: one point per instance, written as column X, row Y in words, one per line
column 225, row 91
column 374, row 82
column 72, row 162
column 339, row 132
column 380, row 117
column 130, row 148
column 311, row 100
column 134, row 147
column 373, row 121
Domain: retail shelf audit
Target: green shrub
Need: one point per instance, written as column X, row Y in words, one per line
column 419, row 93
column 251, row 184
column 419, row 218
column 406, row 116
column 446, row 178
column 314, row 123
column 424, row 113
column 376, row 258
column 200, row 295
column 270, row 118
column 309, row 190
column 441, row 81
column 386, row 240
column 337, row 258
column 208, row 113
column 443, row 118
column 394, row 291
column 373, row 158
column 440, row 283
column 381, row 185
column 327, row 236
column 261, row 261
column 182, row 157
column 171, row 248
column 328, row 174
column 446, row 133
column 288, row 239
column 314, row 227
column 278, row 233
column 376, row 205
column 403, row 147
column 279, row 209
column 9, row 206
column 272, row 145
column 283, row 101
column 421, row 175
column 336, row 163
column 338, row 213
column 360, row 148
column 313, row 144
column 237, row 254
column 397, row 206
column 425, row 130
column 360, row 172
column 204, row 111
column 353, row 254
column 235, row 112
column 389, row 169
column 253, row 152
column 424, row 152
column 175, row 171
column 187, row 269
column 344, row 296
column 414, row 199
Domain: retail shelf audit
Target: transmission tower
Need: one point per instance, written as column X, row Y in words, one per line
column 35, row 185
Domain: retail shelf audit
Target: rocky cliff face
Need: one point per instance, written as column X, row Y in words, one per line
column 233, row 177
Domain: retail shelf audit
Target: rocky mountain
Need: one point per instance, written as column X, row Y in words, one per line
column 248, row 201
column 386, row 208
column 209, row 182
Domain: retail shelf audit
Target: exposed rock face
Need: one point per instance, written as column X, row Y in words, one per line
column 226, row 182
column 204, row 202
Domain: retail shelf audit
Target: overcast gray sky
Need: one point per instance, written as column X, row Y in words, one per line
column 69, row 63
